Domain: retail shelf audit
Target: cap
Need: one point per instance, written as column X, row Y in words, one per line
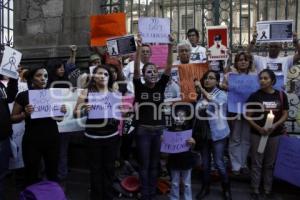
column 94, row 57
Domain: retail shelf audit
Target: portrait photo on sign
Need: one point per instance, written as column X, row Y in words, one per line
column 121, row 45
column 217, row 42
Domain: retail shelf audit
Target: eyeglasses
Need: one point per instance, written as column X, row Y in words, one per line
column 209, row 78
column 190, row 35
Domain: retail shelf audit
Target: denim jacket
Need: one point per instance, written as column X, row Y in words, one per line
column 216, row 110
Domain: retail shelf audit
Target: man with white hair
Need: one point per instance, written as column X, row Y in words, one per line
column 184, row 49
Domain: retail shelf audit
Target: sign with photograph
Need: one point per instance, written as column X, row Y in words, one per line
column 217, row 42
column 121, row 45
column 275, row 31
column 154, row 29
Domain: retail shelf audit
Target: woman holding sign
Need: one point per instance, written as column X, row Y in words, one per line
column 211, row 131
column 101, row 132
column 239, row 143
column 148, row 97
column 41, row 137
column 267, row 110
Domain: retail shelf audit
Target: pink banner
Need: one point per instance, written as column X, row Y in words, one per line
column 159, row 55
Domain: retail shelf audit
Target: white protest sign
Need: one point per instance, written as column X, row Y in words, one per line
column 69, row 123
column 104, row 105
column 44, row 104
column 275, row 31
column 16, row 161
column 10, row 61
column 154, row 29
column 175, row 142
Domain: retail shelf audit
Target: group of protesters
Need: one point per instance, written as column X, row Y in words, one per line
column 212, row 135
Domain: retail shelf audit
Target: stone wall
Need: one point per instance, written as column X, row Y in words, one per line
column 46, row 28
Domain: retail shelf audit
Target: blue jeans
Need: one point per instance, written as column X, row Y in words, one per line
column 177, row 176
column 148, row 151
column 5, row 152
column 216, row 148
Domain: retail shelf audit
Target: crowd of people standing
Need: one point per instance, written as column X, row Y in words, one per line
column 212, row 138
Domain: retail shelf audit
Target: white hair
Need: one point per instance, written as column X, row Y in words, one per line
column 184, row 43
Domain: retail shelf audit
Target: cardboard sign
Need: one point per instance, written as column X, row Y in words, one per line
column 44, row 104
column 288, row 160
column 159, row 55
column 104, row 106
column 187, row 74
column 275, row 31
column 217, row 42
column 107, row 26
column 154, row 29
column 240, row 87
column 121, row 45
column 10, row 62
column 175, row 142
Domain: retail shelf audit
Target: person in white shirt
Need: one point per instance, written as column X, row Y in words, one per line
column 129, row 68
column 280, row 65
column 198, row 53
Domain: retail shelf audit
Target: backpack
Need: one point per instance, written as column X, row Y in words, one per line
column 45, row 190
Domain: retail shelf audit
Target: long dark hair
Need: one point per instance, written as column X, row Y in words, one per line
column 52, row 66
column 92, row 83
column 271, row 75
column 217, row 75
column 30, row 75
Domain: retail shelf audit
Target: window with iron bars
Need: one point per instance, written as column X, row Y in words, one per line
column 6, row 19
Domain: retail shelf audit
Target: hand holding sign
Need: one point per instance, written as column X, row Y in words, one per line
column 154, row 29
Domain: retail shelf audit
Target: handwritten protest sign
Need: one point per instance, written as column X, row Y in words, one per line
column 69, row 123
column 288, row 160
column 154, row 29
column 275, row 31
column 187, row 74
column 10, row 61
column 240, row 88
column 175, row 142
column 159, row 55
column 104, row 106
column 217, row 42
column 107, row 26
column 44, row 104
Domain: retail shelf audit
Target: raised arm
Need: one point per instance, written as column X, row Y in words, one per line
column 297, row 46
column 170, row 56
column 137, row 60
column 252, row 43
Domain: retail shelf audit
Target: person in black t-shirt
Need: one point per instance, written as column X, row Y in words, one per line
column 149, row 97
column 41, row 137
column 260, row 103
column 101, row 136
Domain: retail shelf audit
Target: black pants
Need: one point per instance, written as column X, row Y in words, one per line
column 37, row 147
column 102, row 155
